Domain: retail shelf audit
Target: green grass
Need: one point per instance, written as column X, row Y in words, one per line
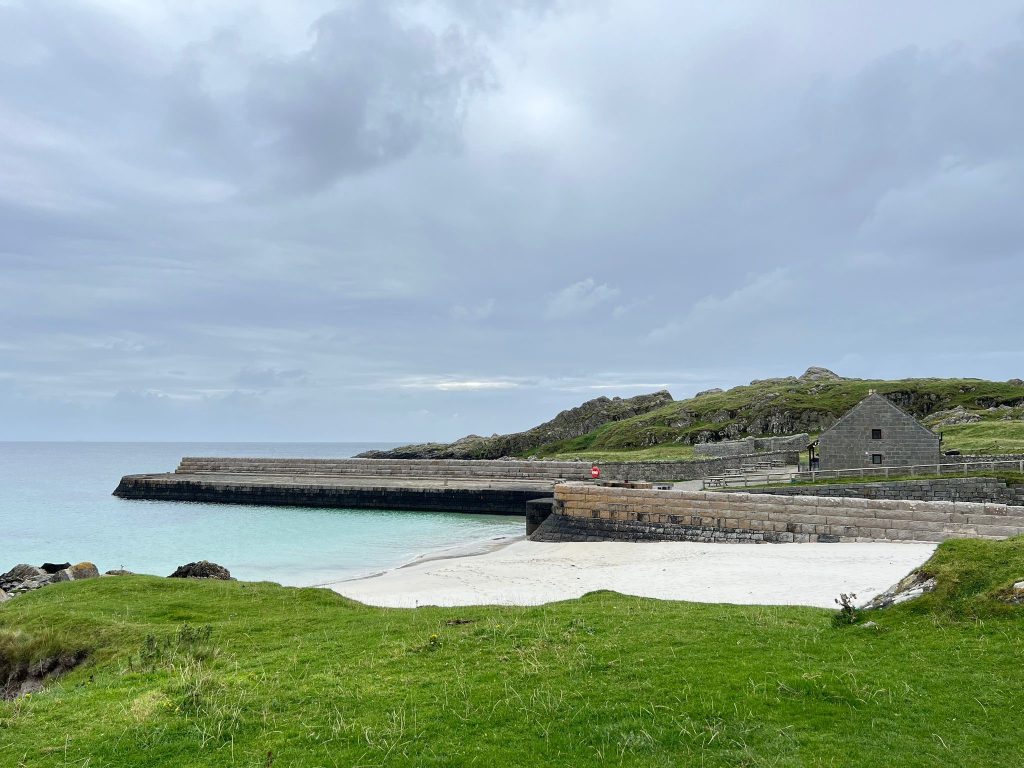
column 984, row 437
column 288, row 677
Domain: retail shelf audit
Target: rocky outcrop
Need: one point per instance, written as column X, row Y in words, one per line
column 712, row 391
column 25, row 578
column 952, row 417
column 1014, row 595
column 569, row 424
column 913, row 585
column 202, row 569
column 84, row 570
column 815, row 373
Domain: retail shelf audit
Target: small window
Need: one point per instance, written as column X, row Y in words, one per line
column 876, row 434
column 876, row 458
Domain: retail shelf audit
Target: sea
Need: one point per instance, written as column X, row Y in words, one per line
column 56, row 505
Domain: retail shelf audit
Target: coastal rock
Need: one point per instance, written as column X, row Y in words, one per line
column 84, row 570
column 119, row 572
column 1018, row 382
column 59, row 576
column 202, row 569
column 22, row 572
column 909, row 587
column 4, row 596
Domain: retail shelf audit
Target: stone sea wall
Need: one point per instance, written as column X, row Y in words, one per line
column 584, row 512
column 499, row 499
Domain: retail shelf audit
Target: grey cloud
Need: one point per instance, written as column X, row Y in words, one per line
column 434, row 218
column 579, row 298
column 371, row 88
column 253, row 377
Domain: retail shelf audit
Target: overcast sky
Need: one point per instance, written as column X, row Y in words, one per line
column 306, row 220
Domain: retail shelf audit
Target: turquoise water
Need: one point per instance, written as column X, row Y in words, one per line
column 56, row 505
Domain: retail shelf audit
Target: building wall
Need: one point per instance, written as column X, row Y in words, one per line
column 585, row 512
column 904, row 441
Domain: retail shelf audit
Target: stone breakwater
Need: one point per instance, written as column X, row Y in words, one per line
column 500, row 487
column 595, row 513
column 483, row 487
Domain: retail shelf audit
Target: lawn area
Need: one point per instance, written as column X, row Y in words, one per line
column 984, row 437
column 245, row 674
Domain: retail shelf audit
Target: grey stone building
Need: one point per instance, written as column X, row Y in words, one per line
column 876, row 432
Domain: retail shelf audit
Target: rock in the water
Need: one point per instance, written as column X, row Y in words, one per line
column 84, row 570
column 203, row 569
column 913, row 585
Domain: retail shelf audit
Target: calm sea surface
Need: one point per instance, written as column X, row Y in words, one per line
column 56, row 505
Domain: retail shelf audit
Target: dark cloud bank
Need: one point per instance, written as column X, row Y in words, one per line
column 410, row 220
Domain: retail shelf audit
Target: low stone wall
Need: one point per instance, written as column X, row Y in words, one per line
column 585, row 512
column 750, row 445
column 658, row 471
column 1019, row 458
column 975, row 489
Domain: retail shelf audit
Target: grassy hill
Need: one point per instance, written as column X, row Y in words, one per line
column 809, row 403
column 185, row 673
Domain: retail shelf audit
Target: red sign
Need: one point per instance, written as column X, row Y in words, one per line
column 595, row 472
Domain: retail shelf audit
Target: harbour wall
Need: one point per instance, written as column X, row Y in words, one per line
column 433, row 485
column 495, row 499
column 501, row 469
column 587, row 512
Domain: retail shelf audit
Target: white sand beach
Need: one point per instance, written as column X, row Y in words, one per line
column 530, row 573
